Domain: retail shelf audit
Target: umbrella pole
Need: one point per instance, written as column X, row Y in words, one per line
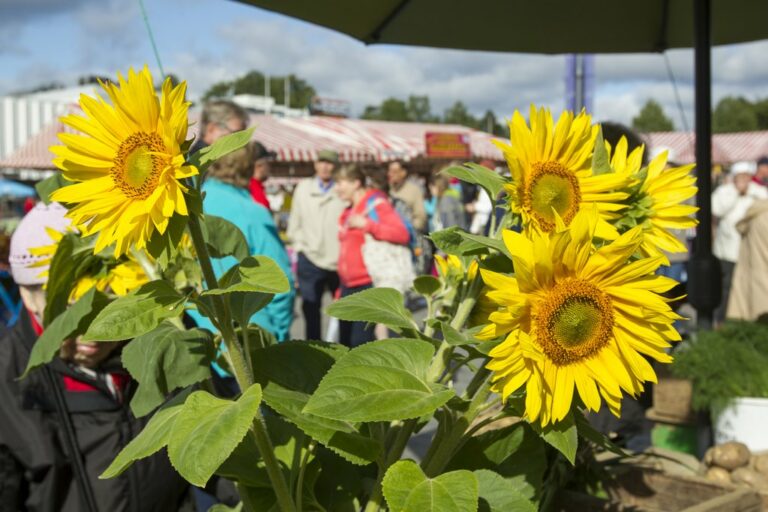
column 704, row 283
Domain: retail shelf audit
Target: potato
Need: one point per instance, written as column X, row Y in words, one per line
column 731, row 455
column 760, row 463
column 709, row 456
column 746, row 476
column 718, row 475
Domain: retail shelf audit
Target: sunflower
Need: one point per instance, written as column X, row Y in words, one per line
column 452, row 267
column 656, row 200
column 575, row 317
column 46, row 252
column 127, row 161
column 551, row 171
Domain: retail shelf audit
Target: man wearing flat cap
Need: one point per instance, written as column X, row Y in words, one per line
column 313, row 229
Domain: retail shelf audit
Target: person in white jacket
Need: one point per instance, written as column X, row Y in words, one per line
column 730, row 203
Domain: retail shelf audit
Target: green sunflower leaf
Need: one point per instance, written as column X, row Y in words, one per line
column 70, row 323
column 601, row 163
column 375, row 305
column 224, row 238
column 223, row 146
column 497, row 494
column 165, row 359
column 152, row 439
column 207, row 431
column 563, row 436
column 137, row 313
column 489, row 179
column 289, row 373
column 380, row 381
column 407, row 488
column 426, row 285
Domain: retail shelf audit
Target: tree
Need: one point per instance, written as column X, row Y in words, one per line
column 391, row 109
column 652, row 119
column 419, row 110
column 254, row 82
column 458, row 114
column 761, row 110
column 488, row 123
column 734, row 115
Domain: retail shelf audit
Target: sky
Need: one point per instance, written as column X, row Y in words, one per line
column 205, row 41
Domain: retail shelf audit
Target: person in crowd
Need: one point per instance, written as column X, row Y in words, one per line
column 227, row 196
column 410, row 193
column 219, row 118
column 313, row 230
column 730, row 203
column 261, row 157
column 368, row 212
column 85, row 388
column 479, row 209
column 749, row 292
column 448, row 209
column 761, row 176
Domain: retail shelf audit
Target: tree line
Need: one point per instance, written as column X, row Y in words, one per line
column 731, row 114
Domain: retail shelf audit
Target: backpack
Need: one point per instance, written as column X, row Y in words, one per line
column 406, row 215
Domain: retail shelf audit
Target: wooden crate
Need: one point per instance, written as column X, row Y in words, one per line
column 639, row 489
column 672, row 399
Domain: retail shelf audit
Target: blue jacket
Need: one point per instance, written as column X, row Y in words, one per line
column 255, row 221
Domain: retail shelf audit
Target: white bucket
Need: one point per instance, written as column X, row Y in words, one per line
column 744, row 420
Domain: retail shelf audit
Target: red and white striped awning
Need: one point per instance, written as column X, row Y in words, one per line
column 300, row 139
column 726, row 147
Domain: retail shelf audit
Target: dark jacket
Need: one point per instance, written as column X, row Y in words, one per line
column 35, row 474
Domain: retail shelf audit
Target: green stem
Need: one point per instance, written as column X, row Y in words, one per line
column 302, row 470
column 240, row 368
column 493, row 215
column 376, row 501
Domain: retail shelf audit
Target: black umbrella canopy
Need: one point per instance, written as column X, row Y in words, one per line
column 530, row 26
column 567, row 26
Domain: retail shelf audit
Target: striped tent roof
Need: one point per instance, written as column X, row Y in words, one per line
column 726, row 147
column 300, row 139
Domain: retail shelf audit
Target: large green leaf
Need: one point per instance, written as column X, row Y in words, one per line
column 454, row 337
column 253, row 274
column 601, row 163
column 152, row 439
column 563, row 436
column 61, row 276
column 498, row 494
column 380, row 381
column 375, row 305
column 224, row 238
column 163, row 247
column 489, row 179
column 452, row 240
column 70, row 323
column 137, row 313
column 515, row 452
column 165, row 359
column 207, row 431
column 491, row 243
column 426, row 285
column 222, row 146
column 49, row 185
column 289, row 373
column 407, row 489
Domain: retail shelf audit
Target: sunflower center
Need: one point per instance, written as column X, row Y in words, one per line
column 573, row 321
column 138, row 165
column 553, row 188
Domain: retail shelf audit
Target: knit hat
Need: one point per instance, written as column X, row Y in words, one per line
column 30, row 233
column 744, row 168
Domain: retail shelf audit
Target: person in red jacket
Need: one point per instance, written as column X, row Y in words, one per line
column 261, row 158
column 365, row 205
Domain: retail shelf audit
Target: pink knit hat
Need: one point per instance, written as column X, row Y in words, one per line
column 31, row 233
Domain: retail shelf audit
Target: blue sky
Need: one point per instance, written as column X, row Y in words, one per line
column 204, row 41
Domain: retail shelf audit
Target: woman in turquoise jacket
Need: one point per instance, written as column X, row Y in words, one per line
column 227, row 196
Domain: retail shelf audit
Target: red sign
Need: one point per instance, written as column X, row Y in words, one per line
column 447, row 145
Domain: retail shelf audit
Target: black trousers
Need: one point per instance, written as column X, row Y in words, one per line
column 353, row 334
column 313, row 281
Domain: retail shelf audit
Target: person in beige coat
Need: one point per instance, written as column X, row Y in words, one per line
column 749, row 291
column 313, row 230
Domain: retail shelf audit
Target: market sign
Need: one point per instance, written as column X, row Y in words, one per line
column 447, row 145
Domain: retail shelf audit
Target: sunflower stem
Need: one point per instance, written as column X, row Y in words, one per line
column 240, row 368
